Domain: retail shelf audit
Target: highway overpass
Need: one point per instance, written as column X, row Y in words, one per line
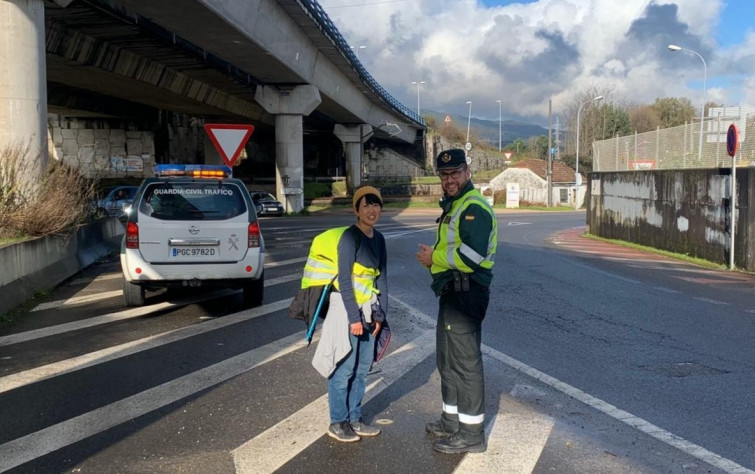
column 280, row 65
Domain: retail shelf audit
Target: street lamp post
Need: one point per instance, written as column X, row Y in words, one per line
column 418, row 84
column 499, row 126
column 469, row 118
column 576, row 167
column 673, row 47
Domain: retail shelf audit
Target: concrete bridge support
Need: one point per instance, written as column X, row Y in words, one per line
column 353, row 137
column 289, row 105
column 23, row 82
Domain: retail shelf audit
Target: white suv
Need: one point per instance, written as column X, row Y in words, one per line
column 191, row 226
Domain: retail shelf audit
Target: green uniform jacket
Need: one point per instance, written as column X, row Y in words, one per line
column 467, row 239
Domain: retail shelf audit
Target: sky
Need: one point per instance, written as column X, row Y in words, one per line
column 527, row 52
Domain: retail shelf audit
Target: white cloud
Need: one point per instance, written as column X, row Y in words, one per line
column 526, row 53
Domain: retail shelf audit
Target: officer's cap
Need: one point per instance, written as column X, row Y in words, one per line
column 450, row 159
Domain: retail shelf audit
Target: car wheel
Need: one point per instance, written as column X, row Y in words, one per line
column 254, row 291
column 133, row 295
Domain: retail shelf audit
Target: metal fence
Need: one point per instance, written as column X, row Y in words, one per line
column 681, row 147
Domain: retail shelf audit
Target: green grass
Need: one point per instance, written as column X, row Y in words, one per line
column 11, row 240
column 676, row 256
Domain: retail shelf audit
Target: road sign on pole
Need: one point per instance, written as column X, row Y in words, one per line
column 229, row 139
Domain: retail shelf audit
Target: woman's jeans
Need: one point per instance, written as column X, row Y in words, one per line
column 347, row 383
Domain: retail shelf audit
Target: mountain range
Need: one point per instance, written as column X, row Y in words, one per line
column 487, row 130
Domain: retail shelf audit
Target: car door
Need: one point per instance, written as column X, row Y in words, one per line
column 184, row 222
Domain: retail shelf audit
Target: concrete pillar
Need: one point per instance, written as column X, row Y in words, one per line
column 289, row 105
column 23, row 81
column 352, row 137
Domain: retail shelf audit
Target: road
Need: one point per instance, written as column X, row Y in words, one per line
column 598, row 358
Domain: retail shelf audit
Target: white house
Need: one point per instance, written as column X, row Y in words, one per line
column 531, row 175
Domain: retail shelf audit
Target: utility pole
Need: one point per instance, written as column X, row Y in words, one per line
column 558, row 138
column 550, row 158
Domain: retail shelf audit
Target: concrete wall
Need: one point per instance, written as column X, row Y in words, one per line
column 101, row 148
column 46, row 261
column 683, row 211
column 386, row 162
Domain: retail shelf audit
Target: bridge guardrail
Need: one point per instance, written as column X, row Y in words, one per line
column 329, row 29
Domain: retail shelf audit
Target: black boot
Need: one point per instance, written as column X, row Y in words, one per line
column 456, row 444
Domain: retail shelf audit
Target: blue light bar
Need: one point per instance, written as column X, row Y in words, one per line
column 193, row 171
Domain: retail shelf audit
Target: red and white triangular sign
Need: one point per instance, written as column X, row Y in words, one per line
column 229, row 139
column 507, row 154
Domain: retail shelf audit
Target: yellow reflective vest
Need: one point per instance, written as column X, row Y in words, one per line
column 449, row 247
column 322, row 267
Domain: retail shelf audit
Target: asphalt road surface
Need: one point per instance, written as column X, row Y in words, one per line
column 597, row 359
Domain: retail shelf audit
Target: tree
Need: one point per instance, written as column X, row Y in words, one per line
column 674, row 111
column 643, row 118
column 615, row 121
column 538, row 147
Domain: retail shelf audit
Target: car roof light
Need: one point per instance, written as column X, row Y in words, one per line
column 193, row 171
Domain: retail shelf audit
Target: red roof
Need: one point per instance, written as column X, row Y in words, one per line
column 561, row 172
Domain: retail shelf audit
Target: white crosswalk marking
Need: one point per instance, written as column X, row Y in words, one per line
column 266, row 453
column 20, row 379
column 515, row 442
column 78, row 300
column 47, row 440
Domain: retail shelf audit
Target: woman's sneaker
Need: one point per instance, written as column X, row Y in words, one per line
column 343, row 432
column 363, row 429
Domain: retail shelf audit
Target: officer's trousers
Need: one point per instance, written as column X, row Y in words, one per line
column 459, row 360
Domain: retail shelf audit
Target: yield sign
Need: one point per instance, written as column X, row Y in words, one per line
column 229, row 139
column 507, row 154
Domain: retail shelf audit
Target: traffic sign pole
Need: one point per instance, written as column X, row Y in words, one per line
column 732, row 146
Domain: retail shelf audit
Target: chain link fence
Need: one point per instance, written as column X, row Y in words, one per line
column 681, row 147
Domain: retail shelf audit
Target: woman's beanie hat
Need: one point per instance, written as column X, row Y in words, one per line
column 363, row 191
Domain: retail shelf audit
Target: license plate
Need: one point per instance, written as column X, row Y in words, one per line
column 192, row 252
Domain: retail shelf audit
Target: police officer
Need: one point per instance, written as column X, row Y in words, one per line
column 460, row 263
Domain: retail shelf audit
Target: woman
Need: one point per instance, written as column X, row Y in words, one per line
column 355, row 318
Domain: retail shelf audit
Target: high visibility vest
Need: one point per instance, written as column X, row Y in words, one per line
column 322, row 267
column 449, row 238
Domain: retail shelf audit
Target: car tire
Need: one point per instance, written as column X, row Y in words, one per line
column 254, row 291
column 133, row 295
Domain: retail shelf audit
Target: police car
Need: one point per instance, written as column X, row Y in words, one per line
column 192, row 226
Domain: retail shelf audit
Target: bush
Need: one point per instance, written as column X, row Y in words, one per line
column 52, row 204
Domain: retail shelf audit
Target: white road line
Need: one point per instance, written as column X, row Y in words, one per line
column 19, row 379
column 84, row 281
column 708, row 300
column 279, row 444
column 666, row 290
column 656, row 432
column 108, row 318
column 273, row 263
column 78, row 300
column 52, row 438
column 515, row 442
column 128, row 314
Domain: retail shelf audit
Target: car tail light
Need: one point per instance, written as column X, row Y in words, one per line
column 254, row 235
column 132, row 235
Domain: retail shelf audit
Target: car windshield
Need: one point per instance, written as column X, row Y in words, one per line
column 264, row 197
column 192, row 201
